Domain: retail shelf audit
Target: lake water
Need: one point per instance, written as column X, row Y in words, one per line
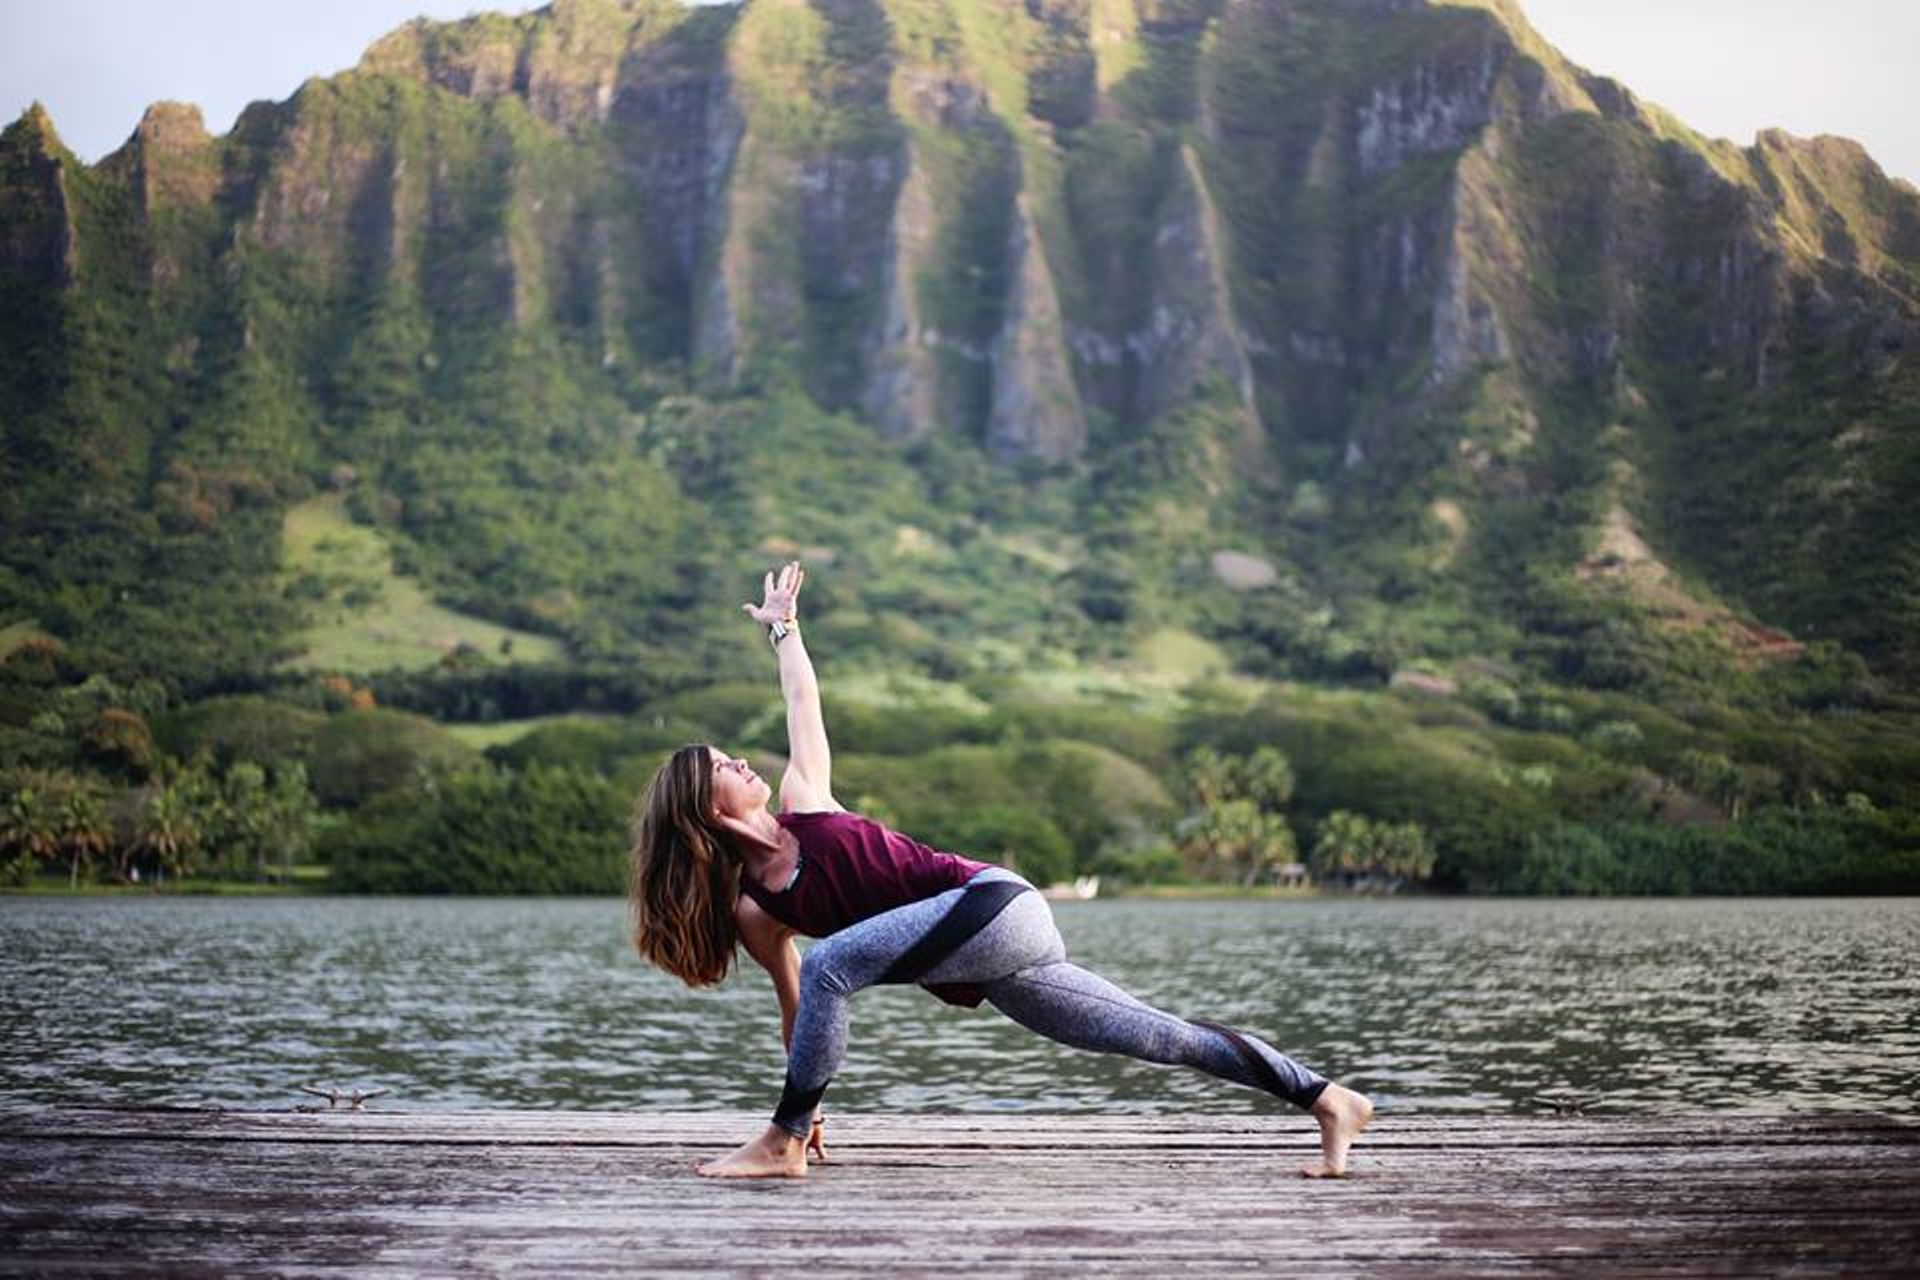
column 1432, row 1005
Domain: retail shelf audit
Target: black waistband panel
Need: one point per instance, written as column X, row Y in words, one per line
column 977, row 907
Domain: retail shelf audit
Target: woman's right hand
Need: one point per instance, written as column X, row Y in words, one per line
column 816, row 1146
column 782, row 596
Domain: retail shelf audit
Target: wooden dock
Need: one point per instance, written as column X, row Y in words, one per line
column 569, row 1193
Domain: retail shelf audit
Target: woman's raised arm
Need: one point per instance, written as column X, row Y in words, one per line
column 807, row 753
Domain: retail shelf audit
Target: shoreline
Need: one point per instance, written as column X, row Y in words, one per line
column 194, row 888
column 1180, row 892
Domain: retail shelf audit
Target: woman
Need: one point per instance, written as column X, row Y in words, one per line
column 713, row 868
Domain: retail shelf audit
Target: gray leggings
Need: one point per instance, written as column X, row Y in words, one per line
column 1017, row 960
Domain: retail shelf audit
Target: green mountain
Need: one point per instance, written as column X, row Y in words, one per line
column 1351, row 340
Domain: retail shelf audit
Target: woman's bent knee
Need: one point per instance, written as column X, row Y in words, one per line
column 819, row 973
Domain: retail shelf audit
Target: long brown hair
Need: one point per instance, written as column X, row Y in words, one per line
column 685, row 876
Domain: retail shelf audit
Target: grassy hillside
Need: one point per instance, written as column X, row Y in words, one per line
column 363, row 616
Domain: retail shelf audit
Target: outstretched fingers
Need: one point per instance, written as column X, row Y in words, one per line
column 778, row 595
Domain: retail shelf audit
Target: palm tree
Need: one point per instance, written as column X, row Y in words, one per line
column 1237, row 827
column 1209, row 776
column 85, row 833
column 1404, row 852
column 293, row 811
column 246, row 820
column 1348, row 844
column 30, row 824
column 1266, row 778
column 166, row 827
column 1340, row 844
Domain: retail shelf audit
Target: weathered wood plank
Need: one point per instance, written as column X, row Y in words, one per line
column 581, row 1194
column 1015, row 1130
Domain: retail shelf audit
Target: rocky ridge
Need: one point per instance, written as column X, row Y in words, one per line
column 1410, row 245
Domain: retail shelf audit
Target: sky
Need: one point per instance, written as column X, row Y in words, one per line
column 1729, row 68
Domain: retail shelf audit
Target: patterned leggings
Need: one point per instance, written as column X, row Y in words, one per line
column 997, row 933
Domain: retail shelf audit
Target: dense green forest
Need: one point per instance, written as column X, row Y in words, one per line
column 1221, row 439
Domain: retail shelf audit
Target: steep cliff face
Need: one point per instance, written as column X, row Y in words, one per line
column 1192, row 334
column 1036, row 406
column 1426, row 262
column 38, row 249
column 39, row 268
column 674, row 129
column 1465, row 267
column 80, row 261
column 900, row 375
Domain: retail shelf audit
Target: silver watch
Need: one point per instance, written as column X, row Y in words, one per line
column 777, row 631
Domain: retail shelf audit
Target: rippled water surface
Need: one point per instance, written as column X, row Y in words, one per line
column 1433, row 1005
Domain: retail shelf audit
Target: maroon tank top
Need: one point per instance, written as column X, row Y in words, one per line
column 852, row 867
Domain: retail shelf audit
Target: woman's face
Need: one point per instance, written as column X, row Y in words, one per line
column 737, row 789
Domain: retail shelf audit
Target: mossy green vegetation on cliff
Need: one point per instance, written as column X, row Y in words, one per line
column 1362, row 381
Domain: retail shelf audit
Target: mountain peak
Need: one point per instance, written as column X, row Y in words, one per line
column 34, row 129
column 165, row 129
column 172, row 125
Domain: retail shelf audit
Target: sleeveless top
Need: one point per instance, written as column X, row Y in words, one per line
column 852, row 867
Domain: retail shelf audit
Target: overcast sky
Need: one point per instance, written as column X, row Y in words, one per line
column 1727, row 67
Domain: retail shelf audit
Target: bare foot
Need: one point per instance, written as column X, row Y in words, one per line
column 774, row 1154
column 1342, row 1114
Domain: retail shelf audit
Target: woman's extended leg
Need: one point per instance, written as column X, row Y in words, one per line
column 1080, row 1008
column 1077, row 1007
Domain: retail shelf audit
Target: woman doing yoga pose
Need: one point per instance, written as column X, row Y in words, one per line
column 714, row 868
